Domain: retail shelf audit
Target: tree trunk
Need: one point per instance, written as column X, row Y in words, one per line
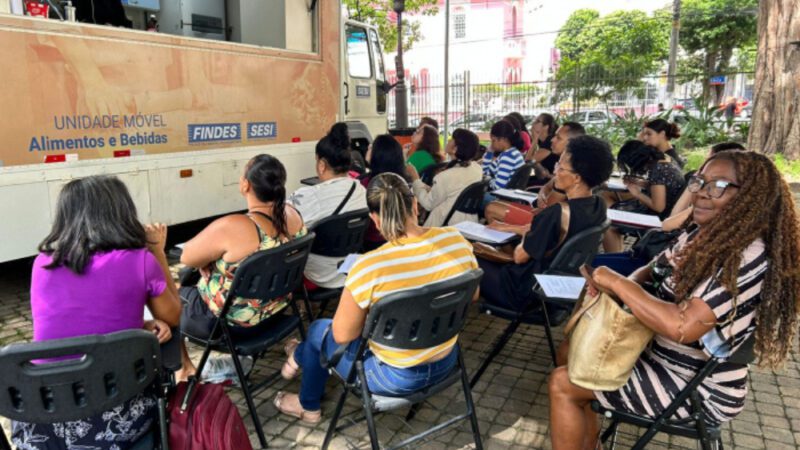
column 776, row 110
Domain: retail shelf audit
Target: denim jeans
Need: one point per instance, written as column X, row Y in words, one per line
column 382, row 379
column 622, row 263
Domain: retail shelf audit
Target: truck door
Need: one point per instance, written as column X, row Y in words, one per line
column 364, row 96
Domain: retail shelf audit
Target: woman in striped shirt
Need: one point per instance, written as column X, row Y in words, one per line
column 503, row 158
column 413, row 256
column 732, row 274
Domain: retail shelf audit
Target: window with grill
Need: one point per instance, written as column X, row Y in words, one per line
column 460, row 26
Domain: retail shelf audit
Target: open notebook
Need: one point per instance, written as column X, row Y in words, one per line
column 634, row 219
column 481, row 233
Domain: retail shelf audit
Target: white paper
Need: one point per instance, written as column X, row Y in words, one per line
column 477, row 232
column 635, row 219
column 557, row 286
column 181, row 245
column 348, row 262
column 616, row 184
column 516, row 194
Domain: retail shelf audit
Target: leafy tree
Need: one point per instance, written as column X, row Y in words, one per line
column 711, row 31
column 380, row 14
column 602, row 56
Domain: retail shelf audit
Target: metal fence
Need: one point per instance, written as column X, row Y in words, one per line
column 477, row 105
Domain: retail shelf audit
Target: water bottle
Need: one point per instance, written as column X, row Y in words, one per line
column 70, row 11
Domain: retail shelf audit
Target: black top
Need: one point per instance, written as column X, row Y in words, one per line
column 549, row 163
column 677, row 159
column 546, row 144
column 543, row 237
column 672, row 179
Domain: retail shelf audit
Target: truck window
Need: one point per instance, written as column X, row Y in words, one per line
column 380, row 75
column 358, row 62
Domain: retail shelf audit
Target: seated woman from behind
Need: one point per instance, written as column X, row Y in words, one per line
column 461, row 172
column 413, row 257
column 223, row 245
column 730, row 276
column 586, row 163
column 95, row 273
column 654, row 185
column 385, row 155
column 336, row 193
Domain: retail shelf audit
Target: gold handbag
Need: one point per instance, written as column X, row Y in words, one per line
column 605, row 344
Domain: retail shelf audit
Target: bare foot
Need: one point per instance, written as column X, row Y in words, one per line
column 184, row 373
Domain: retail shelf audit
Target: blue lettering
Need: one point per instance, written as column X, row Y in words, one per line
column 218, row 132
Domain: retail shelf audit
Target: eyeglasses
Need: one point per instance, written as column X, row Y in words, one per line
column 559, row 167
column 714, row 189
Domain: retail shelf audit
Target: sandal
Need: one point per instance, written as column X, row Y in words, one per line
column 309, row 417
column 290, row 368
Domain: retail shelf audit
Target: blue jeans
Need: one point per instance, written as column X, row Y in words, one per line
column 382, row 379
column 622, row 263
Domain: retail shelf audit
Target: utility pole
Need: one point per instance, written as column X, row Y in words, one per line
column 401, row 101
column 673, row 52
column 446, row 69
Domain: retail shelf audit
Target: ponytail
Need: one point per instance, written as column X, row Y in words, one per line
column 670, row 129
column 389, row 196
column 267, row 176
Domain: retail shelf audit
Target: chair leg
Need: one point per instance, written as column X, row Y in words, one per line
column 163, row 426
column 245, row 388
column 611, row 431
column 501, row 343
column 412, row 412
column 473, row 416
column 548, row 331
column 367, row 404
column 196, row 378
column 307, row 305
column 335, row 419
column 300, row 326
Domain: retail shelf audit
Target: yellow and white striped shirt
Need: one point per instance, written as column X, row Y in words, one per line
column 439, row 254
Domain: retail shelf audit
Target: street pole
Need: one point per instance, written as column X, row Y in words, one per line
column 401, row 101
column 673, row 52
column 446, row 69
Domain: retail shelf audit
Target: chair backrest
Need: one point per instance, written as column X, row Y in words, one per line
column 521, row 176
column 272, row 273
column 578, row 250
column 423, row 317
column 340, row 235
column 469, row 201
column 107, row 371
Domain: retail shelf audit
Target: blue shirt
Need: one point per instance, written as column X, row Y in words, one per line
column 501, row 168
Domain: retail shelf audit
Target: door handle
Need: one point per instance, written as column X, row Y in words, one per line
column 346, row 98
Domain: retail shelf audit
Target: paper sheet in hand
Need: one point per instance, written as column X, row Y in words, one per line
column 616, row 184
column 557, row 286
column 635, row 219
column 516, row 194
column 348, row 262
column 477, row 232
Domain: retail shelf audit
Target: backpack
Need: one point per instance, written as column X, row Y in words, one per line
column 211, row 422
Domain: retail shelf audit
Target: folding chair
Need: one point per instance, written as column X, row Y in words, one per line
column 469, row 201
column 337, row 237
column 693, row 427
column 265, row 275
column 519, row 179
column 111, row 369
column 413, row 319
column 427, row 175
column 576, row 251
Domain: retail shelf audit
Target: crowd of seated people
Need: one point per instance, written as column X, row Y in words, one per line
column 737, row 204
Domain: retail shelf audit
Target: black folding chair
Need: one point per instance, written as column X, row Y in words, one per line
column 547, row 312
column 693, row 427
column 414, row 319
column 337, row 237
column 265, row 275
column 469, row 201
column 519, row 179
column 427, row 175
column 110, row 370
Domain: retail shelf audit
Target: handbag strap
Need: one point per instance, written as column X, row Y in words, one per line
column 344, row 202
column 585, row 306
column 562, row 236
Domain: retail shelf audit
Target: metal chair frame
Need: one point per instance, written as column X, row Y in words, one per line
column 469, row 201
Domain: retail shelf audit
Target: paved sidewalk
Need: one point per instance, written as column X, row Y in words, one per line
column 511, row 399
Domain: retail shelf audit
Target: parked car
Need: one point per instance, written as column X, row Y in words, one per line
column 589, row 117
column 473, row 122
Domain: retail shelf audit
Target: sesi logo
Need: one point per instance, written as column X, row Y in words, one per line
column 262, row 130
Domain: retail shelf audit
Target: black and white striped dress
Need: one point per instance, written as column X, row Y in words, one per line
column 666, row 366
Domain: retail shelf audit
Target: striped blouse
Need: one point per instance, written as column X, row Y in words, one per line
column 501, row 168
column 667, row 366
column 439, row 254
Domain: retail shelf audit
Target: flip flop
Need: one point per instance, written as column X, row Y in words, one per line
column 309, row 417
column 290, row 368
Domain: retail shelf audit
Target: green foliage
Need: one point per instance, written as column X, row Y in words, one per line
column 791, row 169
column 601, row 56
column 376, row 12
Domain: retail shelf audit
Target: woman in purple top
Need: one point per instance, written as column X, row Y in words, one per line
column 95, row 273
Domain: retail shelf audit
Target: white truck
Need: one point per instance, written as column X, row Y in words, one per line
column 176, row 114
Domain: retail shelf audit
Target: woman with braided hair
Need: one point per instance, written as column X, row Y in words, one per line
column 733, row 273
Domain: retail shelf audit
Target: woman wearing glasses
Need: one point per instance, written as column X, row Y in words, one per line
column 654, row 185
column 731, row 275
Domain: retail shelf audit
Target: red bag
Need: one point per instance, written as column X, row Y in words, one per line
column 210, row 422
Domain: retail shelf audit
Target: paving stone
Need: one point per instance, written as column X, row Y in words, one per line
column 778, row 434
column 749, row 442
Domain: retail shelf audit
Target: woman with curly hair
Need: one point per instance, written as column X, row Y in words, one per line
column 734, row 272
